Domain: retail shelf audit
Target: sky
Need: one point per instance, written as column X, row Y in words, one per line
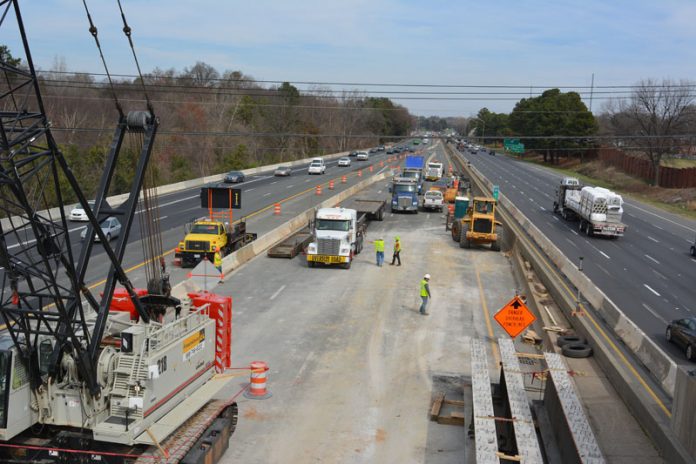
column 529, row 44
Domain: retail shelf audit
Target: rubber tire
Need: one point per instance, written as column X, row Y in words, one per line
column 576, row 350
column 668, row 334
column 570, row 339
column 456, row 230
column 689, row 352
column 380, row 215
column 310, row 263
column 693, row 251
column 347, row 265
column 463, row 241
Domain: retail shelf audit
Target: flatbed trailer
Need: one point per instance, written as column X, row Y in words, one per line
column 292, row 246
column 371, row 209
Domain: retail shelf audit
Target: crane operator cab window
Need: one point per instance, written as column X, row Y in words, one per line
column 484, row 208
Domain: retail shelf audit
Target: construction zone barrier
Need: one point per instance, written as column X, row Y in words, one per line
column 276, row 209
column 370, row 168
column 318, row 189
column 344, row 179
column 359, row 172
column 257, row 383
column 331, row 184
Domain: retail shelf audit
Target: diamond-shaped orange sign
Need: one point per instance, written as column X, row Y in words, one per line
column 514, row 317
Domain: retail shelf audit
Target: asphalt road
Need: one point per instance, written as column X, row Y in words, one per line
column 648, row 273
column 259, row 194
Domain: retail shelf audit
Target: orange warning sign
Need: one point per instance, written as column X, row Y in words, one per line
column 514, row 317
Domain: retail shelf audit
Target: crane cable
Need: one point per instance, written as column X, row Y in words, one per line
column 127, row 31
column 94, row 32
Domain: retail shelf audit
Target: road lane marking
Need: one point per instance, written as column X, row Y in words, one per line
column 574, row 232
column 291, row 186
column 571, row 242
column 266, row 194
column 658, row 227
column 652, row 259
column 273, row 297
column 274, row 182
column 659, row 275
column 653, row 239
column 649, row 288
column 249, row 190
column 542, row 208
column 604, row 254
column 661, row 217
column 175, row 201
column 652, row 311
column 555, row 218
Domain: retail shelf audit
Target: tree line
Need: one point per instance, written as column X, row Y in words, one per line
column 210, row 121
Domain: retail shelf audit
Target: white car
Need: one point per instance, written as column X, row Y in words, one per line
column 345, row 161
column 78, row 213
column 362, row 156
column 316, row 167
column 110, row 227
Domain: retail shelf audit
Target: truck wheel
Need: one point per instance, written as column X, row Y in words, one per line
column 693, row 251
column 347, row 265
column 555, row 207
column 455, row 230
column 495, row 246
column 310, row 263
column 380, row 215
column 463, row 241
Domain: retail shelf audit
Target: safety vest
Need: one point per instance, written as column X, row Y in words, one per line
column 379, row 245
column 424, row 290
column 397, row 246
column 218, row 259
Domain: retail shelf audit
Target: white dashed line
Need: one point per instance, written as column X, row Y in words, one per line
column 652, row 311
column 291, row 186
column 277, row 292
column 574, row 232
column 604, row 254
column 249, row 190
column 653, row 239
column 652, row 259
column 648, row 287
column 266, row 194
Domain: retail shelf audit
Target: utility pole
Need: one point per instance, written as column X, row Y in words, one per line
column 591, row 92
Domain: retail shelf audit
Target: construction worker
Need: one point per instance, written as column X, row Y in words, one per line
column 217, row 261
column 425, row 293
column 397, row 251
column 379, row 250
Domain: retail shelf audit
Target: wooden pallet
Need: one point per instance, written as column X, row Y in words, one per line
column 454, row 418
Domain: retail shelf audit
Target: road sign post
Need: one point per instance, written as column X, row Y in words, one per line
column 514, row 317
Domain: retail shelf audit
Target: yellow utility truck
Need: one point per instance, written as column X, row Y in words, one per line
column 204, row 236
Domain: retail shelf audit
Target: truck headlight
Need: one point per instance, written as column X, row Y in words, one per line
column 394, row 202
column 345, row 250
column 312, row 248
column 182, row 245
column 415, row 202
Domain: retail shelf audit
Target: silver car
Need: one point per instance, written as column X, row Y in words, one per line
column 110, row 227
column 282, row 171
column 345, row 161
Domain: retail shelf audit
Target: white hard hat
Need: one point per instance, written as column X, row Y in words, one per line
column 426, row 276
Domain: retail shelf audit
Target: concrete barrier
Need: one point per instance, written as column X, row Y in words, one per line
column 646, row 350
column 116, row 200
column 260, row 245
column 635, row 390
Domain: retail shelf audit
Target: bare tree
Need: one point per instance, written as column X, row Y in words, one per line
column 655, row 117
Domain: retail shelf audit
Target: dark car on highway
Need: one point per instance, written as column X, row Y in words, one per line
column 353, row 154
column 234, row 177
column 682, row 332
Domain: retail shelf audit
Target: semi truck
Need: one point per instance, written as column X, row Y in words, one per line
column 597, row 210
column 413, row 168
column 339, row 233
column 404, row 192
column 433, row 171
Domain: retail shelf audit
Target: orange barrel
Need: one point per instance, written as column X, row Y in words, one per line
column 276, row 209
column 359, row 172
column 370, row 168
column 344, row 179
column 257, row 383
column 318, row 191
column 331, row 185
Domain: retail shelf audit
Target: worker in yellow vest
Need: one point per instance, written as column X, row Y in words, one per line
column 379, row 250
column 217, row 261
column 397, row 251
column 425, row 293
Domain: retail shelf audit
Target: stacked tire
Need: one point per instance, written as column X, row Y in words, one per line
column 574, row 346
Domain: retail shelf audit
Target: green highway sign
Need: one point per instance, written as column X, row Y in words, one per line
column 516, row 148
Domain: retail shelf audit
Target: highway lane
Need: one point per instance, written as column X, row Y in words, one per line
column 647, row 273
column 258, row 193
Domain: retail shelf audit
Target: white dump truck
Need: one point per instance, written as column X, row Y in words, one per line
column 597, row 210
column 339, row 232
column 434, row 171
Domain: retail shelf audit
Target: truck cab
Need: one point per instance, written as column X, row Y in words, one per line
column 415, row 174
column 338, row 237
column 404, row 192
column 433, row 171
